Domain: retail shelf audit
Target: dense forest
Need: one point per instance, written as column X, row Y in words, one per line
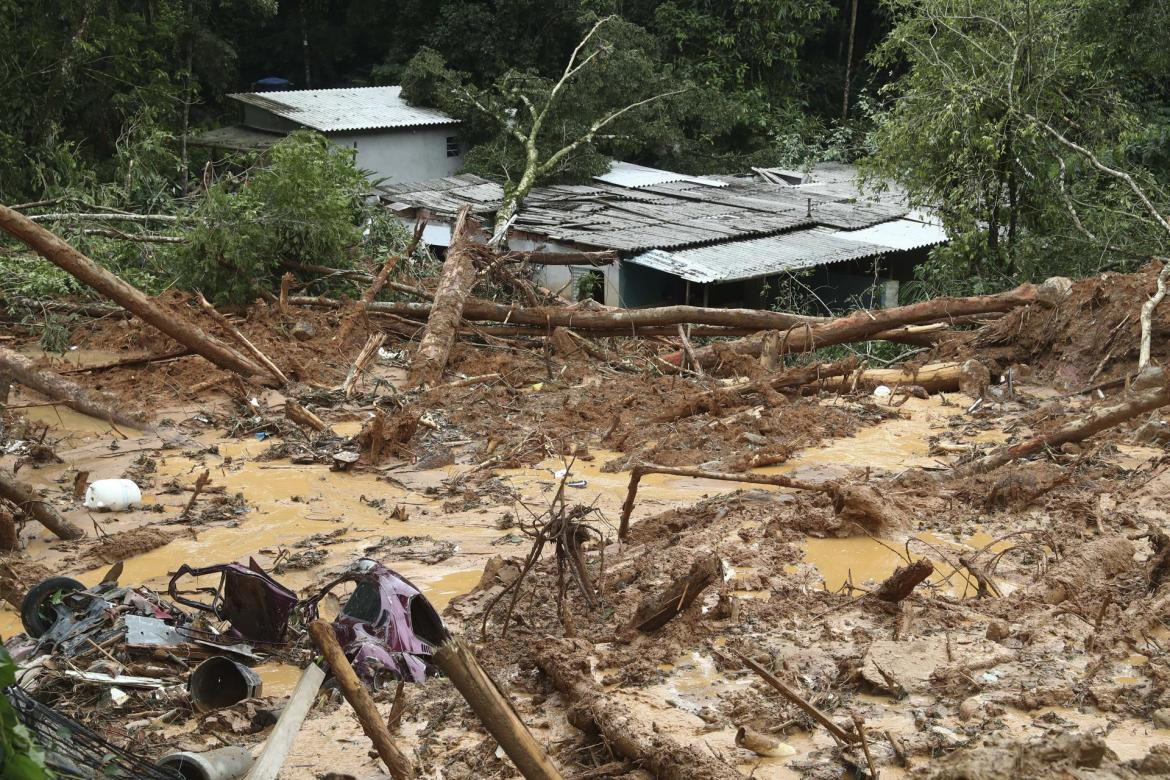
column 1039, row 129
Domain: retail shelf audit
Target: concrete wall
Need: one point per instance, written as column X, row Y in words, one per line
column 404, row 154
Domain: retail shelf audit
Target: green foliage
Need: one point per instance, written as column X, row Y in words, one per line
column 305, row 204
column 966, row 130
column 20, row 757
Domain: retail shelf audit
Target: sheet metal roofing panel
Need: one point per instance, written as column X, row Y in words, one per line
column 849, row 216
column 333, row 110
column 900, row 234
column 758, row 257
column 626, row 174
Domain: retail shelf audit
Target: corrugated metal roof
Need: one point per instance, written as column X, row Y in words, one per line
column 625, row 174
column 758, row 257
column 333, row 110
column 900, row 234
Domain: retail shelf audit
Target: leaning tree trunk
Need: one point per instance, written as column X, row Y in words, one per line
column 57, row 387
column 64, row 256
column 447, row 312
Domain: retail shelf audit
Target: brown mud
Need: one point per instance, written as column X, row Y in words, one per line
column 982, row 672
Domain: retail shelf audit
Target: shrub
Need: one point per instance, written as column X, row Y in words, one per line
column 305, row 204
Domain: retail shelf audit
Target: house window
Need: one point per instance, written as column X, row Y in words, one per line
column 453, row 149
column 588, row 284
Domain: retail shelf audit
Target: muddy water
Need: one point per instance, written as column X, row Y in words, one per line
column 291, row 503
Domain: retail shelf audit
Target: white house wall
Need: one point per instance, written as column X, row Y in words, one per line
column 554, row 277
column 406, row 154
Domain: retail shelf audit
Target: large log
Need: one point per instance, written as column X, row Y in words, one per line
column 65, row 257
column 288, row 725
column 777, row 480
column 723, row 397
column 27, row 500
column 904, row 580
column 932, row 377
column 658, row 610
column 864, row 325
column 566, row 663
column 458, row 277
column 663, row 321
column 57, row 387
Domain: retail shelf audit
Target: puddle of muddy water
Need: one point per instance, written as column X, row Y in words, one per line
column 863, row 559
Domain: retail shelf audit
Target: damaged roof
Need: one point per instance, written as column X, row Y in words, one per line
column 703, row 229
column 759, row 257
column 357, row 108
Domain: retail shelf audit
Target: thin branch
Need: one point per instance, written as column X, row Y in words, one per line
column 1103, row 168
column 552, row 162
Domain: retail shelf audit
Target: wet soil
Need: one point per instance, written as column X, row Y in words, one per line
column 1055, row 665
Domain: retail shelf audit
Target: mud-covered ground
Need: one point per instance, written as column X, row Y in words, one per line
column 1056, row 666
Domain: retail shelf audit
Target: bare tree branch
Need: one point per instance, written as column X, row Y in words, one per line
column 551, row 163
column 1103, row 168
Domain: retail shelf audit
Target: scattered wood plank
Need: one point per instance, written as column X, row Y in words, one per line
column 65, row 257
column 280, row 741
column 27, row 501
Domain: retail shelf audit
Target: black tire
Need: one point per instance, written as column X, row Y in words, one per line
column 35, row 613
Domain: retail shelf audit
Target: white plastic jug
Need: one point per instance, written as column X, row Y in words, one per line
column 112, row 494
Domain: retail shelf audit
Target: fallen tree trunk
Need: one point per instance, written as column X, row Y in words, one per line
column 22, row 370
column 640, row 471
column 426, row 368
column 65, row 257
column 566, row 664
column 1090, row 565
column 359, row 698
column 864, row 325
column 723, row 397
column 1077, row 430
column 632, row 323
column 27, row 501
column 495, row 710
column 932, row 377
column 656, row 611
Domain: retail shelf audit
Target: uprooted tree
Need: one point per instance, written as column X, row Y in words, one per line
column 538, row 128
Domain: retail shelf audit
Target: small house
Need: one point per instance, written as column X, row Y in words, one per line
column 700, row 240
column 393, row 140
